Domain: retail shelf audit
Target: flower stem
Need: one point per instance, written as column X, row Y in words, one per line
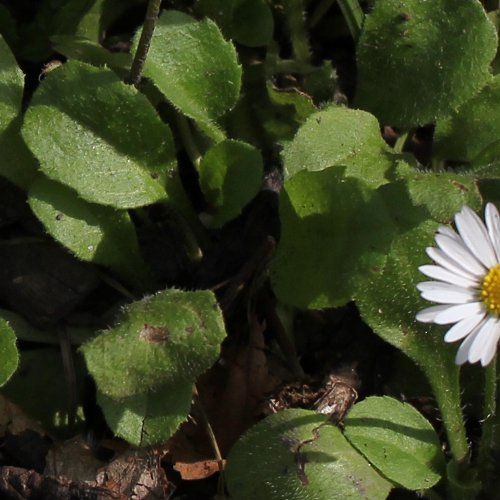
column 353, row 16
column 488, row 431
column 298, row 33
column 141, row 53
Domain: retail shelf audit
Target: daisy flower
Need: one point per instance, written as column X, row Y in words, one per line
column 466, row 284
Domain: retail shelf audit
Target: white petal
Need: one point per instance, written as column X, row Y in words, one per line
column 490, row 348
column 427, row 315
column 481, row 339
column 459, row 254
column 452, row 314
column 475, row 235
column 444, row 293
column 493, row 224
column 463, row 328
column 439, row 257
column 439, row 273
column 448, row 231
column 463, row 350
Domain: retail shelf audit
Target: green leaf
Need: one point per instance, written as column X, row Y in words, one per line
column 195, row 68
column 418, row 61
column 94, row 233
column 148, row 418
column 41, row 373
column 165, row 339
column 340, row 136
column 471, row 130
column 296, row 455
column 398, row 440
column 388, row 299
column 335, row 229
column 100, row 137
column 230, row 176
column 17, row 164
column 9, row 357
column 248, row 22
column 276, row 113
column 92, row 53
column 77, row 334
column 11, row 90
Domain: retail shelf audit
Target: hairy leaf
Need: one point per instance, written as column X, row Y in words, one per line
column 419, row 60
column 165, row 339
column 297, row 455
column 100, row 137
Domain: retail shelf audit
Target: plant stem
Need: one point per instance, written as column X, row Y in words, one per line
column 353, row 16
column 298, row 33
column 400, row 142
column 320, row 10
column 448, row 398
column 208, row 428
column 487, row 436
column 188, row 141
column 144, row 42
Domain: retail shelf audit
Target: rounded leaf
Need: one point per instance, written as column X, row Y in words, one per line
column 165, row 339
column 335, row 229
column 230, row 176
column 194, row 67
column 248, row 22
column 92, row 232
column 471, row 130
column 9, row 356
column 149, row 418
column 11, row 91
column 419, row 60
column 396, row 439
column 296, row 455
column 100, row 137
column 339, row 136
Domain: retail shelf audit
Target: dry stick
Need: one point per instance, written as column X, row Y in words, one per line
column 141, row 53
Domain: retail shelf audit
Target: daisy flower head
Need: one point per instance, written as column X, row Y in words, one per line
column 466, row 284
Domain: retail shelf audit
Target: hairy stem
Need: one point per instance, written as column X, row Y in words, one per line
column 298, row 33
column 141, row 53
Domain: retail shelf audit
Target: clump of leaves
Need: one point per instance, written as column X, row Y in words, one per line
column 195, row 117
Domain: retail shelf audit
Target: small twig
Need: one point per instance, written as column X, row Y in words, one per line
column 141, row 53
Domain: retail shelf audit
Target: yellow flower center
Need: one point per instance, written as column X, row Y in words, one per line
column 490, row 290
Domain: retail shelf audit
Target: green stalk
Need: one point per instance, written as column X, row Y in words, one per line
column 353, row 16
column 298, row 34
column 489, row 412
column 446, row 387
column 321, row 9
column 400, row 142
column 141, row 53
column 187, row 140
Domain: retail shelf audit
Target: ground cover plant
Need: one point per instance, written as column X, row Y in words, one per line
column 249, row 249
